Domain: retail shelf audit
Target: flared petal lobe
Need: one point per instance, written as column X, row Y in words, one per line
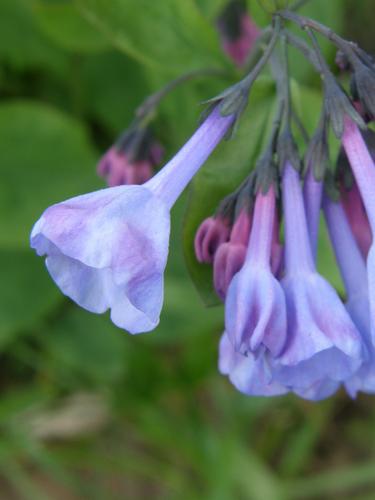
column 250, row 374
column 104, row 252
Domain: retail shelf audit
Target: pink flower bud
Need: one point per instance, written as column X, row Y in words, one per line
column 237, row 31
column 241, row 228
column 239, row 48
column 131, row 160
column 357, row 217
column 210, row 235
column 229, row 259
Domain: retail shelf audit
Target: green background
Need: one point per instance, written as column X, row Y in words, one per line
column 87, row 410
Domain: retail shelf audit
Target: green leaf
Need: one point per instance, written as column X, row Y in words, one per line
column 22, row 45
column 45, row 157
column 211, row 8
column 27, row 293
column 222, row 173
column 65, row 26
column 82, row 344
column 113, row 86
column 171, row 35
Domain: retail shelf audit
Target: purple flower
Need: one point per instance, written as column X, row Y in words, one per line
column 230, row 256
column 108, row 249
column 131, row 160
column 363, row 168
column 353, row 270
column 238, row 32
column 212, row 233
column 251, row 374
column 323, row 343
column 255, row 315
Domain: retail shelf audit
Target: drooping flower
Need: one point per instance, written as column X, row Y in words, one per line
column 238, row 31
column 323, row 343
column 353, row 271
column 132, row 159
column 255, row 314
column 108, row 249
column 363, row 168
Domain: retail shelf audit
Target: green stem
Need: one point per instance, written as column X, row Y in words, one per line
column 283, row 83
column 254, row 73
column 302, row 46
column 305, row 22
column 148, row 106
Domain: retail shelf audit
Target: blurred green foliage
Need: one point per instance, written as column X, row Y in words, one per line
column 88, row 411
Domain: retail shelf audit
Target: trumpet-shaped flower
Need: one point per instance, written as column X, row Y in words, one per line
column 108, row 249
column 323, row 343
column 363, row 168
column 353, row 271
column 255, row 315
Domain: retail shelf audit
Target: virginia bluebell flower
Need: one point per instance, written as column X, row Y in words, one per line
column 363, row 168
column 353, row 271
column 255, row 313
column 323, row 345
column 108, row 249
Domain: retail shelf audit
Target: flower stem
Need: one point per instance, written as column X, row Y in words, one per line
column 151, row 102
